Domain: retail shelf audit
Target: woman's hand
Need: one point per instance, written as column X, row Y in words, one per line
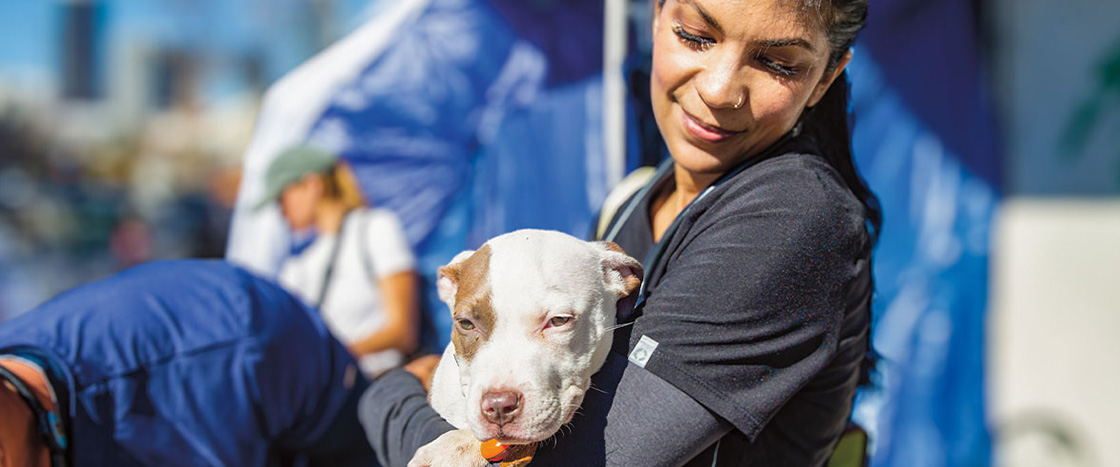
column 423, row 368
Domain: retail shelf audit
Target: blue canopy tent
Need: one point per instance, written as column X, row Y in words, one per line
column 467, row 118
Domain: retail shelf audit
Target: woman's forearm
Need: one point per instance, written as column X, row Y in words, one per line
column 397, row 418
column 399, row 296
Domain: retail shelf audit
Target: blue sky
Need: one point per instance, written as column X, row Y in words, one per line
column 277, row 30
column 25, row 33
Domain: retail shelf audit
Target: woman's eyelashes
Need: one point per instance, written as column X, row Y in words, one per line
column 693, row 41
column 701, row 43
column 776, row 66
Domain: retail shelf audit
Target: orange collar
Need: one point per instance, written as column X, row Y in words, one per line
column 20, row 443
column 33, row 377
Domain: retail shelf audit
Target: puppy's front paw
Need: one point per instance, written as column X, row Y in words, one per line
column 456, row 448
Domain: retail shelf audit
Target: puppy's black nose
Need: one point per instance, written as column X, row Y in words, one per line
column 501, row 406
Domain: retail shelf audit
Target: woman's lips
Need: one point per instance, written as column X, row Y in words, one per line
column 706, row 132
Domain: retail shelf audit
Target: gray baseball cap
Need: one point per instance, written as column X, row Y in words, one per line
column 291, row 166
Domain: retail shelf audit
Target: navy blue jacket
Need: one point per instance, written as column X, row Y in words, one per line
column 190, row 363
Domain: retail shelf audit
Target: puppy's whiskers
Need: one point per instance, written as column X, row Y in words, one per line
column 593, row 388
column 555, row 438
column 619, row 326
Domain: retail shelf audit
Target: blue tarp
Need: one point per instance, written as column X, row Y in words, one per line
column 925, row 140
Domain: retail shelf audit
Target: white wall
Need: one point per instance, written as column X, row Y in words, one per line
column 1054, row 331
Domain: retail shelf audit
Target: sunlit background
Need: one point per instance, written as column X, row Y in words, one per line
column 135, row 130
column 122, row 127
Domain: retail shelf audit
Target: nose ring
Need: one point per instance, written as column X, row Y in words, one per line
column 738, row 104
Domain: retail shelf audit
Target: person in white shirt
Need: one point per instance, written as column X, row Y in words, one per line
column 359, row 270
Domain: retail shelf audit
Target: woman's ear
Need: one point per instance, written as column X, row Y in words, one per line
column 828, row 78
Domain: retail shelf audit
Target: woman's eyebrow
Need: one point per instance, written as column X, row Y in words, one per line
column 704, row 15
column 791, row 42
column 788, row 42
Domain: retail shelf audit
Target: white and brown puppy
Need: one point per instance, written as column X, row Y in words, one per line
column 533, row 313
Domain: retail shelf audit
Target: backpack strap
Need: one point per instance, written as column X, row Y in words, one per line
column 328, row 274
column 625, row 190
column 367, row 257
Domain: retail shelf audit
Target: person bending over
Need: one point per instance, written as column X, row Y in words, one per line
column 179, row 363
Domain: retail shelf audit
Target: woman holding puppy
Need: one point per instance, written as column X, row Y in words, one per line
column 752, row 326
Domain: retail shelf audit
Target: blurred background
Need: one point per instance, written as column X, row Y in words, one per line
column 134, row 130
column 123, row 123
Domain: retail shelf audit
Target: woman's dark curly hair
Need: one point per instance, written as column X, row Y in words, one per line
column 830, row 122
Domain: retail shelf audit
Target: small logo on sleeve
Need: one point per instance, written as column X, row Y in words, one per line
column 643, row 351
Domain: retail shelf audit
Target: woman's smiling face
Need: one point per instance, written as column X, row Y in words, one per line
column 730, row 77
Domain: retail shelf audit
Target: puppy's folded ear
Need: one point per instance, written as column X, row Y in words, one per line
column 622, row 273
column 629, row 269
column 448, row 277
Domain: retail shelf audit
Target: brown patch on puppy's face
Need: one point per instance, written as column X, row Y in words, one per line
column 473, row 314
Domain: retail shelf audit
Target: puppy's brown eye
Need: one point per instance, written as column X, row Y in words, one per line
column 558, row 321
column 466, row 324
